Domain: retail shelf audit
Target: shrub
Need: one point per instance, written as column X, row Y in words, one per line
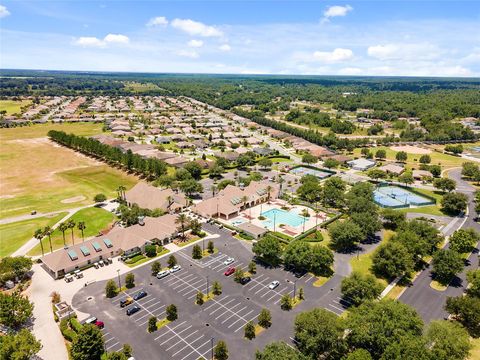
column 152, row 324
column 150, row 250
column 130, row 280
column 75, row 325
column 172, row 313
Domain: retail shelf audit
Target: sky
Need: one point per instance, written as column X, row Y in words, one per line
column 316, row 37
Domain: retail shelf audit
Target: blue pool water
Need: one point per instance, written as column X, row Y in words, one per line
column 301, row 171
column 238, row 222
column 394, row 196
column 282, row 217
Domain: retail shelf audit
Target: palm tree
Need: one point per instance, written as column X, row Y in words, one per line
column 305, row 214
column 39, row 236
column 71, row 226
column 81, row 226
column 269, row 190
column 63, row 227
column 213, row 188
column 121, row 192
column 169, row 202
column 48, row 232
column 182, row 220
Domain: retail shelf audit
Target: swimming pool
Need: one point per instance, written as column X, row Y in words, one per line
column 282, row 217
column 395, row 196
column 236, row 222
column 302, row 170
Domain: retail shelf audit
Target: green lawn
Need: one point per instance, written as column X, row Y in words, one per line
column 12, row 106
column 438, row 158
column 475, row 352
column 96, row 219
column 431, row 209
column 41, row 130
column 82, row 183
column 14, row 235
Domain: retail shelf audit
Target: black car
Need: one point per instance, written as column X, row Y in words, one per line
column 245, row 280
column 132, row 310
column 139, row 295
column 299, row 273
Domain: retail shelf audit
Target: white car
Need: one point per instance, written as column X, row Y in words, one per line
column 162, row 274
column 273, row 284
column 228, row 261
column 175, row 268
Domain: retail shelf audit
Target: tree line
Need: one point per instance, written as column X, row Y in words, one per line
column 149, row 167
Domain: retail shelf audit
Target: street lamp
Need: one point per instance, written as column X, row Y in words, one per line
column 119, row 284
column 207, row 286
column 211, row 346
column 295, row 288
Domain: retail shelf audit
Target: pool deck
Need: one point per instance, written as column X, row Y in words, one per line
column 252, row 214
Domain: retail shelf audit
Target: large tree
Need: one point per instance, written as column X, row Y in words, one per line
column 447, row 340
column 319, row 333
column 446, row 264
column 358, row 288
column 391, row 260
column 466, row 309
column 19, row 346
column 268, row 249
column 278, row 351
column 464, row 240
column 88, row 345
column 15, row 310
column 445, row 184
column 345, row 235
column 454, row 203
column 375, row 325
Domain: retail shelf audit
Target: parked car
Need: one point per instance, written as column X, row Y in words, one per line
column 140, row 295
column 273, row 284
column 162, row 274
column 101, row 263
column 228, row 261
column 299, row 273
column 78, row 274
column 68, row 278
column 245, row 280
column 132, row 310
column 96, row 265
column 90, row 320
column 175, row 268
column 127, row 301
column 34, row 212
column 99, row 324
column 229, row 271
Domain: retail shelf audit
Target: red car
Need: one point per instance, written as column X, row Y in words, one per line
column 229, row 271
column 99, row 324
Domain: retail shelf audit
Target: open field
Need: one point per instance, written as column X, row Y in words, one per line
column 37, row 174
column 12, row 106
column 96, row 219
column 438, row 158
column 41, row 130
column 14, row 235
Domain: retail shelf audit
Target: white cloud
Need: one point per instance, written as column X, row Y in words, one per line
column 195, row 43
column 196, row 28
column 334, row 11
column 4, row 11
column 225, row 47
column 116, row 38
column 91, row 41
column 337, row 55
column 158, row 21
column 188, row 53
column 423, row 51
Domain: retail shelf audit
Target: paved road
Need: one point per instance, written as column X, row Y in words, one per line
column 428, row 302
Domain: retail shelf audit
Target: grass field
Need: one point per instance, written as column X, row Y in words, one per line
column 438, row 158
column 475, row 352
column 431, row 209
column 12, row 106
column 96, row 219
column 14, row 235
column 37, row 174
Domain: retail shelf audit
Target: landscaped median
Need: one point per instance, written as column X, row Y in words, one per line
column 143, row 258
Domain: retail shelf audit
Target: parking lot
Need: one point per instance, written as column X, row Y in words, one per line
column 221, row 318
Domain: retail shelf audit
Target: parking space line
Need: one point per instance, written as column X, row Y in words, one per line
column 188, row 327
column 148, row 301
column 271, row 297
column 214, row 311
column 213, row 304
column 186, row 337
column 220, row 304
column 110, row 346
column 184, row 341
column 241, row 327
column 201, row 356
column 201, row 337
column 158, row 337
column 228, row 318
column 246, row 321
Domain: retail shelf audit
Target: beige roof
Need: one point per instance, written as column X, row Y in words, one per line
column 252, row 229
column 150, row 197
column 120, row 238
column 392, row 168
column 229, row 200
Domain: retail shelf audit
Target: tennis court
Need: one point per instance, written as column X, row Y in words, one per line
column 395, row 196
